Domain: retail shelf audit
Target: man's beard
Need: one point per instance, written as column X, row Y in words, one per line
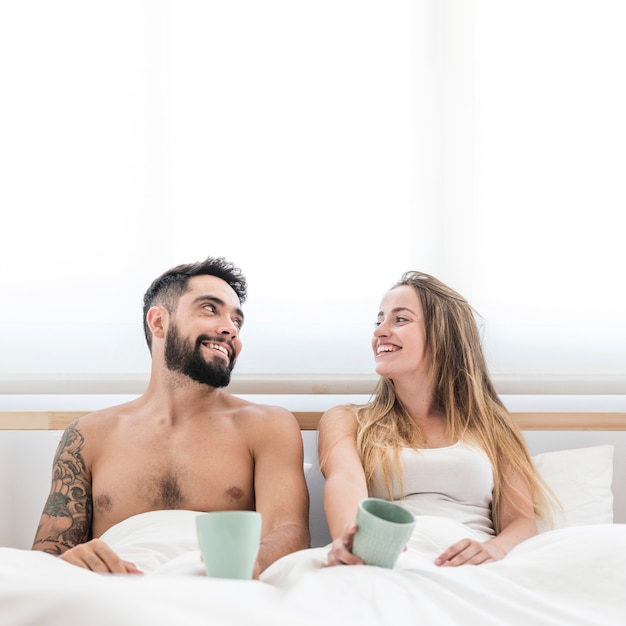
column 180, row 357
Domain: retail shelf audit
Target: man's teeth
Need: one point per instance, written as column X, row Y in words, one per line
column 217, row 346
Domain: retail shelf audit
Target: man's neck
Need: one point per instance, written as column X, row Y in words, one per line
column 175, row 396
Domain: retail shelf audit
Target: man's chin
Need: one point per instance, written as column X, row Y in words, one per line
column 217, row 383
column 215, row 378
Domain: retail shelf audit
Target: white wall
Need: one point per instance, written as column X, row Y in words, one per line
column 325, row 147
column 139, row 135
column 519, row 154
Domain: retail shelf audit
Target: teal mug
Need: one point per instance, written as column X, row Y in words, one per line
column 229, row 542
column 383, row 531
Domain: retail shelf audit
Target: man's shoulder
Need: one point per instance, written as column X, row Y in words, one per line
column 99, row 418
column 265, row 416
column 256, row 410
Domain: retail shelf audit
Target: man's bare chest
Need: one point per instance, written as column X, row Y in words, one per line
column 156, row 475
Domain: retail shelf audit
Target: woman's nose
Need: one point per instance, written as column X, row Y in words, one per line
column 380, row 330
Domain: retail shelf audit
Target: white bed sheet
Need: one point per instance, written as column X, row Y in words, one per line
column 571, row 577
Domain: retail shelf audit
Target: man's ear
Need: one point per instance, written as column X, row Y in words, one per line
column 157, row 321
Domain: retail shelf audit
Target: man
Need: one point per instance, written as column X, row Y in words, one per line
column 185, row 443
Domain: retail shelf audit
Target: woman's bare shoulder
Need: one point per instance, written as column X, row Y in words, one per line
column 342, row 416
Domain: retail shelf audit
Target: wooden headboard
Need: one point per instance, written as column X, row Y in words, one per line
column 308, row 420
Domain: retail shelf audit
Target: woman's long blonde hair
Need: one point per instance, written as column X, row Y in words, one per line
column 462, row 391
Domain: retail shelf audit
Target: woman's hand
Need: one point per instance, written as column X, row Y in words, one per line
column 341, row 549
column 470, row 552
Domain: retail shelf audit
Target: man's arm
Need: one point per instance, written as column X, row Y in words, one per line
column 67, row 515
column 65, row 526
column 281, row 492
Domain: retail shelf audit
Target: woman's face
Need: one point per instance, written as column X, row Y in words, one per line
column 399, row 341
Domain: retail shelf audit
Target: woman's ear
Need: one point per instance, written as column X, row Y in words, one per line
column 157, row 321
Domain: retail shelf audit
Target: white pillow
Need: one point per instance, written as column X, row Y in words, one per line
column 581, row 480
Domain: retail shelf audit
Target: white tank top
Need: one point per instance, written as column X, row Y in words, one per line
column 454, row 482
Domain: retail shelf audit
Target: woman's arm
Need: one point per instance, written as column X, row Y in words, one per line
column 517, row 523
column 345, row 481
column 517, row 515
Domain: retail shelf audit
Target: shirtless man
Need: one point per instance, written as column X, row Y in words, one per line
column 185, row 443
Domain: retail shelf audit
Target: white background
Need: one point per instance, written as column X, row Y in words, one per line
column 325, row 147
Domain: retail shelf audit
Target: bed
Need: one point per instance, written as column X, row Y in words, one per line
column 573, row 574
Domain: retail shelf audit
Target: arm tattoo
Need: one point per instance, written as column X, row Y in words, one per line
column 68, row 512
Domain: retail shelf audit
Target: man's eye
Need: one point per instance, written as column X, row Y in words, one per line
column 210, row 308
column 238, row 323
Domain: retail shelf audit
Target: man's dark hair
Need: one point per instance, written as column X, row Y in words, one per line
column 169, row 286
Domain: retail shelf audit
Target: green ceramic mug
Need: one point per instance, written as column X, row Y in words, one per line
column 383, row 531
column 229, row 542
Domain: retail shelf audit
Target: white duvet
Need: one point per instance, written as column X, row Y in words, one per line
column 573, row 576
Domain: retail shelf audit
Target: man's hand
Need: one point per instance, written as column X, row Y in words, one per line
column 97, row 556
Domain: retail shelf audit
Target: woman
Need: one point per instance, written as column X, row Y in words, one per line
column 435, row 435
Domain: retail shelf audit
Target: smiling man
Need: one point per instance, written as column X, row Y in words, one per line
column 185, row 444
